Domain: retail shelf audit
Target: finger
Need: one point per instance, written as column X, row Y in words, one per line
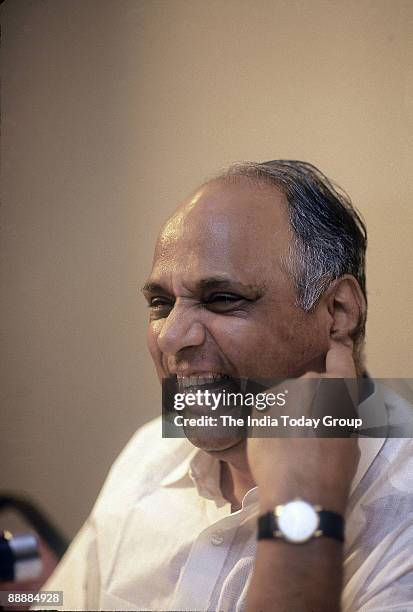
column 340, row 361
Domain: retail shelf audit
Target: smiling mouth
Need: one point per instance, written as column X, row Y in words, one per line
column 204, row 393
column 199, row 381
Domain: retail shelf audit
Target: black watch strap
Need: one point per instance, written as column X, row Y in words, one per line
column 331, row 525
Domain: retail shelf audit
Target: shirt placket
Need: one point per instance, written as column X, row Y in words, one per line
column 204, row 565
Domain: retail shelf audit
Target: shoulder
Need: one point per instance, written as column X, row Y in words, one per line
column 397, row 452
column 382, row 499
column 378, row 567
column 144, row 462
column 392, row 469
column 399, row 408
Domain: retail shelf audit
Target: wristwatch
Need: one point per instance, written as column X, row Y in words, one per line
column 299, row 521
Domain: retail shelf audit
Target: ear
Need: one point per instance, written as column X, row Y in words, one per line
column 347, row 307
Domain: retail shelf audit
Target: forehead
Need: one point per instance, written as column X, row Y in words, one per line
column 236, row 229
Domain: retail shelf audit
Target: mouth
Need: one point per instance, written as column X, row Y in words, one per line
column 222, row 390
column 202, row 380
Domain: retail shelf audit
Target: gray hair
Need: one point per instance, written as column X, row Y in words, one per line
column 329, row 236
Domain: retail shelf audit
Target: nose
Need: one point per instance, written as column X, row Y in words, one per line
column 181, row 329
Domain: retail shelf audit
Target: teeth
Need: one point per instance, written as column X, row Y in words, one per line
column 195, row 381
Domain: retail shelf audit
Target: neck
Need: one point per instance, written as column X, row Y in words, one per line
column 236, row 478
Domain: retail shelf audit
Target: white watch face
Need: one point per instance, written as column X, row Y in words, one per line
column 297, row 521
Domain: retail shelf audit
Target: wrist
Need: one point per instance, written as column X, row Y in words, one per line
column 334, row 500
column 299, row 521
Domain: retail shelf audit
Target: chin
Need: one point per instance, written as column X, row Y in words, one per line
column 219, row 442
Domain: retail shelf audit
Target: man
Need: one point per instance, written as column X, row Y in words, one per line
column 258, row 275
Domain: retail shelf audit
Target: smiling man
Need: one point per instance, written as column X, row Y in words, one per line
column 258, row 275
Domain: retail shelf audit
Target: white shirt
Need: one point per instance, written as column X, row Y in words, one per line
column 161, row 536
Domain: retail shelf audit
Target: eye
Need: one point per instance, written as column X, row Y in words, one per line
column 223, row 302
column 160, row 307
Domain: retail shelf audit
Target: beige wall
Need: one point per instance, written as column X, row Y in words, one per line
column 111, row 112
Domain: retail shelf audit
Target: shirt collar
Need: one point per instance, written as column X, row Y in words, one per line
column 198, row 469
column 180, row 472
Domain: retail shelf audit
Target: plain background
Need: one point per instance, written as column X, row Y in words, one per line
column 113, row 111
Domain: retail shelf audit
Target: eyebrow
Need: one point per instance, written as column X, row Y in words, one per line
column 212, row 282
column 152, row 287
column 225, row 283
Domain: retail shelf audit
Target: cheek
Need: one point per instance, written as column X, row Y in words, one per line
column 277, row 347
column 153, row 331
column 248, row 344
column 301, row 344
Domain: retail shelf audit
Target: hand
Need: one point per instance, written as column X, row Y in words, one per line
column 317, row 469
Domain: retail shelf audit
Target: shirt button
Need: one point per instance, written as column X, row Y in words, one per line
column 217, row 538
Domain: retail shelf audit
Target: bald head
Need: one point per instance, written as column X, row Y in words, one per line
column 237, row 225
